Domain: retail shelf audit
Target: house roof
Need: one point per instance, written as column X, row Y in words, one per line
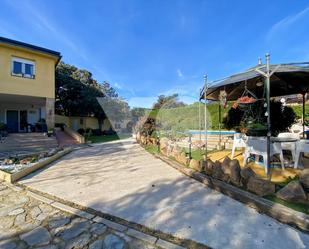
column 30, row 46
column 292, row 78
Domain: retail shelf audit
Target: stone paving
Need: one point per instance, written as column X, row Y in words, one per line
column 28, row 223
column 121, row 179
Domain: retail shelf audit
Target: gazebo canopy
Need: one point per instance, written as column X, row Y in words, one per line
column 287, row 79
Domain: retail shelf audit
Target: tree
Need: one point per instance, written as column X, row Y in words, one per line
column 77, row 94
column 167, row 102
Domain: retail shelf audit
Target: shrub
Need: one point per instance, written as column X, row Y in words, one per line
column 3, row 127
column 282, row 117
column 81, row 131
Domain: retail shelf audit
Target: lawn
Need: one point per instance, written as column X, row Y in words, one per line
column 107, row 138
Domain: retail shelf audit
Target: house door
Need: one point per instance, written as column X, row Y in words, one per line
column 12, row 121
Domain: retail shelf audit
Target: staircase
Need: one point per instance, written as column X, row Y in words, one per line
column 26, row 143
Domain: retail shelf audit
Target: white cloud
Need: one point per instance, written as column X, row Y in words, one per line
column 287, row 22
column 179, row 73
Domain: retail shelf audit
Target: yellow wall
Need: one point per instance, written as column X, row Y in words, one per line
column 43, row 85
column 88, row 122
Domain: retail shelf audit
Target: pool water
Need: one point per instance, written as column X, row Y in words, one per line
column 193, row 132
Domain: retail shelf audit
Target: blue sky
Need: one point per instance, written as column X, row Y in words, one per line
column 146, row 48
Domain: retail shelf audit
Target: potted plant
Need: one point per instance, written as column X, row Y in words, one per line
column 256, row 129
column 50, row 132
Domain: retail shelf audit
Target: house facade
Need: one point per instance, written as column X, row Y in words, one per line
column 27, row 85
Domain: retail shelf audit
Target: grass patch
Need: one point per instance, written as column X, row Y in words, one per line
column 304, row 208
column 199, row 153
column 151, row 148
column 107, row 138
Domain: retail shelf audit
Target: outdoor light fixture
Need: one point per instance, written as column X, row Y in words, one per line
column 259, row 84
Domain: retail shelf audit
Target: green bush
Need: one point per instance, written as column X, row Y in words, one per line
column 3, row 127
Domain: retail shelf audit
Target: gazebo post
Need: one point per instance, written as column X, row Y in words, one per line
column 199, row 116
column 220, row 136
column 205, row 113
column 268, row 114
column 304, row 106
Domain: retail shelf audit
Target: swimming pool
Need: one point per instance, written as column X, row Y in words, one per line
column 193, row 132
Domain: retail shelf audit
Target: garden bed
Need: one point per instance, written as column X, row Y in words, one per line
column 14, row 168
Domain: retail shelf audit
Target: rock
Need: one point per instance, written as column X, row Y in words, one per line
column 293, row 192
column 58, row 222
column 235, row 172
column 37, row 237
column 114, row 242
column 8, row 161
column 79, row 242
column 304, row 178
column 245, row 174
column 260, row 187
column 163, row 145
column 8, row 244
column 20, row 219
column 218, row 172
column 196, row 165
column 209, row 167
column 183, row 159
column 17, row 211
column 226, row 165
column 52, row 152
column 47, row 247
column 98, row 229
column 176, row 151
column 25, row 160
column 97, row 244
column 74, row 230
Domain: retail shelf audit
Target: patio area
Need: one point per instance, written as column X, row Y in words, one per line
column 277, row 174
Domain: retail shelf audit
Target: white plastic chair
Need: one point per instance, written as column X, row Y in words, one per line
column 298, row 128
column 291, row 146
column 302, row 146
column 238, row 142
column 258, row 146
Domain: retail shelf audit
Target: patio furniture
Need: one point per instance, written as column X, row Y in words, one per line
column 298, row 128
column 258, row 145
column 289, row 144
column 301, row 147
column 238, row 142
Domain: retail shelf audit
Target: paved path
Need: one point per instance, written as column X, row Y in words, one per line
column 121, row 179
column 28, row 223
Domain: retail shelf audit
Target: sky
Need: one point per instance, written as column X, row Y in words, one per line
column 150, row 47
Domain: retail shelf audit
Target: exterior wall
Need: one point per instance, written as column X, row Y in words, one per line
column 43, row 85
column 91, row 122
column 21, row 107
column 62, row 120
column 75, row 123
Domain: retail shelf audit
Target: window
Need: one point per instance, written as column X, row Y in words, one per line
column 22, row 67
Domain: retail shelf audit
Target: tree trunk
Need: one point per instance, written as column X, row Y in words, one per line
column 100, row 122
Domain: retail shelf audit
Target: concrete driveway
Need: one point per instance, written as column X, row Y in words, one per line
column 122, row 179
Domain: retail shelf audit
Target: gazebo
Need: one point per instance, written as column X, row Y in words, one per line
column 265, row 81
